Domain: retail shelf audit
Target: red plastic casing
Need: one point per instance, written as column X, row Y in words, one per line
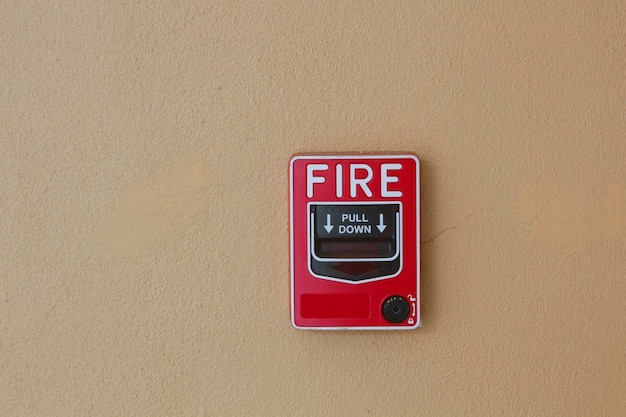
column 331, row 304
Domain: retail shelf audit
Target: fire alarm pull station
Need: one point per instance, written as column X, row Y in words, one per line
column 355, row 241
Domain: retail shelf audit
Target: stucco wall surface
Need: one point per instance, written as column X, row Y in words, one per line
column 144, row 150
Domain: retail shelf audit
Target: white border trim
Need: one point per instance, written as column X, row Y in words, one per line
column 417, row 243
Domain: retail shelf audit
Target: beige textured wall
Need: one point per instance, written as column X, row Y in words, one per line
column 143, row 205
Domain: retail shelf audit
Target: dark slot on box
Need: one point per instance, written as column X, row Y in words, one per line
column 342, row 248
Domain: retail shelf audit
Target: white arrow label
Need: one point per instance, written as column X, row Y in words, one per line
column 381, row 226
column 328, row 226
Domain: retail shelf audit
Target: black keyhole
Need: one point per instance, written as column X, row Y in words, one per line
column 396, row 309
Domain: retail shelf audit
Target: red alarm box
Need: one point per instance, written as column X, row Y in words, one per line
column 354, row 241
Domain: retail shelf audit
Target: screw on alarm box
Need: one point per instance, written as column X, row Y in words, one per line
column 354, row 241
